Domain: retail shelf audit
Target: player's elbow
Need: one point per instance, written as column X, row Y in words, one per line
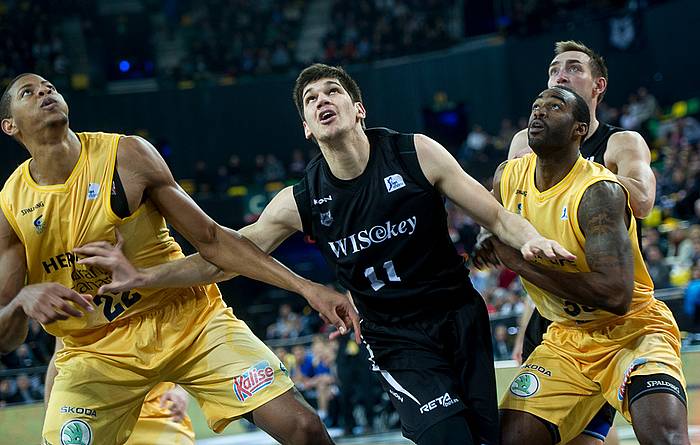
column 207, row 240
column 642, row 206
column 622, row 299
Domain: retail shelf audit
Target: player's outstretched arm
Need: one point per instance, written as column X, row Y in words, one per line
column 276, row 223
column 145, row 170
column 609, row 284
column 445, row 173
column 629, row 157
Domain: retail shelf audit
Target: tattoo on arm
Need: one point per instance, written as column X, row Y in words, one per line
column 603, row 217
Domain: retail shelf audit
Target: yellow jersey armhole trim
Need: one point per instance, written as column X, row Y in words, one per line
column 504, row 186
column 109, row 179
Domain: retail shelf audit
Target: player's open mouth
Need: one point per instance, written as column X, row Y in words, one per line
column 326, row 116
column 48, row 102
column 536, row 126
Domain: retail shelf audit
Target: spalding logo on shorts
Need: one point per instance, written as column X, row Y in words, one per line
column 76, row 432
column 525, row 385
column 253, row 380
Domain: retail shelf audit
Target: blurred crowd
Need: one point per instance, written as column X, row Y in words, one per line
column 178, row 42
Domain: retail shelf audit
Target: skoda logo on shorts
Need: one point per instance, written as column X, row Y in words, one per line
column 525, row 385
column 76, row 432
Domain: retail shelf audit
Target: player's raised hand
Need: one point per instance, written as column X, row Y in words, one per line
column 335, row 308
column 176, row 401
column 111, row 258
column 545, row 247
column 49, row 302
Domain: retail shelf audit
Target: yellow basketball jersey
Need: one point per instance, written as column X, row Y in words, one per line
column 554, row 213
column 52, row 220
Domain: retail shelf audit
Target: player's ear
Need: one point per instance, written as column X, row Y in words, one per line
column 581, row 129
column 307, row 130
column 9, row 127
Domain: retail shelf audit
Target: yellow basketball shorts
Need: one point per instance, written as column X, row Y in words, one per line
column 575, row 370
column 197, row 343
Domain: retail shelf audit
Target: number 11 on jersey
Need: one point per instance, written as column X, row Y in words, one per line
column 376, row 282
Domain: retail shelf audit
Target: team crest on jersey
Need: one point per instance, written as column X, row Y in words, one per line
column 525, row 385
column 564, row 214
column 394, row 182
column 93, row 191
column 326, row 218
column 253, row 380
column 39, row 225
column 76, row 432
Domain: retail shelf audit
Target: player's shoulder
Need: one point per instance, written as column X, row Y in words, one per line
column 626, row 139
column 519, row 145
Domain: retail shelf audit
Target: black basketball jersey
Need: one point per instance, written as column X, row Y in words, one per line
column 384, row 232
column 594, row 147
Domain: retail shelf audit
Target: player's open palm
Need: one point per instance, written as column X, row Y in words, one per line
column 111, row 258
column 335, row 308
column 49, row 302
column 547, row 248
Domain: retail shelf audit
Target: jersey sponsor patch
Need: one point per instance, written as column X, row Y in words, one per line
column 564, row 214
column 525, row 385
column 93, row 191
column 76, row 432
column 326, row 218
column 375, row 235
column 78, row 410
column 444, row 401
column 39, row 225
column 253, row 380
column 323, row 200
column 394, row 182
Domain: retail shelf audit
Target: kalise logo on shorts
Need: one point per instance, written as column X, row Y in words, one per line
column 253, row 380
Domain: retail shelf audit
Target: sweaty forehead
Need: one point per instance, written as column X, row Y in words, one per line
column 571, row 56
column 316, row 84
column 27, row 79
column 556, row 93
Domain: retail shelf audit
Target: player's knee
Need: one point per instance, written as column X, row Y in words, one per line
column 310, row 429
column 518, row 428
column 664, row 433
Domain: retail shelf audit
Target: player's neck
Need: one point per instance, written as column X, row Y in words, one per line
column 347, row 156
column 593, row 125
column 53, row 157
column 550, row 170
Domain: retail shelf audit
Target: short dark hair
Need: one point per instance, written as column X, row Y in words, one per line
column 581, row 111
column 597, row 63
column 319, row 71
column 6, row 99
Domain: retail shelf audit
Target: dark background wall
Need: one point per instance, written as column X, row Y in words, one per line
column 494, row 78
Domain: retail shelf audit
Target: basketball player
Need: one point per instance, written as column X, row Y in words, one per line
column 610, row 340
column 373, row 201
column 75, row 189
column 623, row 152
column 163, row 419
